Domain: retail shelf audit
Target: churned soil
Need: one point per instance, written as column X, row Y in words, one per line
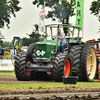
column 54, row 93
column 41, row 93
column 40, row 90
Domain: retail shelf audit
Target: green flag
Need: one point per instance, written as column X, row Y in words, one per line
column 79, row 13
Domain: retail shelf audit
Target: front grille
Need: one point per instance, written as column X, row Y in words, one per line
column 40, row 47
column 49, row 47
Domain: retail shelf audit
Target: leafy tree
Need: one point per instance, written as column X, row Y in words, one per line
column 7, row 44
column 25, row 41
column 8, row 7
column 95, row 8
column 1, row 37
column 60, row 9
column 33, row 37
column 1, row 42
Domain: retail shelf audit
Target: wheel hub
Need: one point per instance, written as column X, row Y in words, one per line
column 91, row 63
column 67, row 68
column 28, row 72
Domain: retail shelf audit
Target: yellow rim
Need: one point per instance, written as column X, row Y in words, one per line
column 91, row 64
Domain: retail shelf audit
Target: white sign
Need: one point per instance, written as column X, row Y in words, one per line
column 42, row 21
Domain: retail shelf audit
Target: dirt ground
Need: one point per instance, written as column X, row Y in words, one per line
column 55, row 93
column 13, row 80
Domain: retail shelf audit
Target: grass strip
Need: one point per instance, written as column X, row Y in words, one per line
column 7, row 74
column 7, row 71
column 48, row 85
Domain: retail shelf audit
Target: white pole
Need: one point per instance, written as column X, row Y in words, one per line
column 83, row 22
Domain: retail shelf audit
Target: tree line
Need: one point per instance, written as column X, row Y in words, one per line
column 61, row 10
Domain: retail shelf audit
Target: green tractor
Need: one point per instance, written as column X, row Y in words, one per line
column 44, row 60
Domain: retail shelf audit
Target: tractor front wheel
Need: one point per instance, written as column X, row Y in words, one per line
column 31, row 50
column 21, row 72
column 17, row 69
column 76, row 53
column 62, row 67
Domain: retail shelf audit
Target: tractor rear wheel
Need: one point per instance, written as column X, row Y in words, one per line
column 89, row 63
column 62, row 66
column 22, row 73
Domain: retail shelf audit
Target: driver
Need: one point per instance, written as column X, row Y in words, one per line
column 61, row 39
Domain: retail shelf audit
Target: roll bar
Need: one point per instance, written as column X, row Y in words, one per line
column 61, row 26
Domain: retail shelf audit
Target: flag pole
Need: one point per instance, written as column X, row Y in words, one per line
column 83, row 22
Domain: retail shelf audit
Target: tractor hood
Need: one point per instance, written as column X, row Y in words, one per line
column 43, row 49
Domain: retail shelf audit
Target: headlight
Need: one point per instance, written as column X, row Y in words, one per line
column 40, row 53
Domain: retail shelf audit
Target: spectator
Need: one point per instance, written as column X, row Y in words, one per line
column 1, row 52
column 13, row 52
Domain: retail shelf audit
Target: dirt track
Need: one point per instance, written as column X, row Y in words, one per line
column 55, row 93
column 54, row 96
column 13, row 80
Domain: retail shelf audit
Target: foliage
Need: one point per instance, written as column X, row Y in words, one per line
column 8, row 7
column 1, row 42
column 95, row 8
column 60, row 9
column 4, row 43
column 7, row 74
column 7, row 44
column 33, row 37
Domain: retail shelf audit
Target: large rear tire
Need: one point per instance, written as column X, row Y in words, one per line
column 62, row 67
column 89, row 63
column 21, row 72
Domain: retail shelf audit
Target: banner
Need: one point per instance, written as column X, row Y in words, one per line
column 79, row 13
column 42, row 21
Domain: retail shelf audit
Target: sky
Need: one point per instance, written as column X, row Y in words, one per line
column 29, row 15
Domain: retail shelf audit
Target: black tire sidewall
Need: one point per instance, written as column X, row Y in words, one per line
column 85, row 63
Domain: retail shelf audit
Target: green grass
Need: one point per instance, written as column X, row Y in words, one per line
column 7, row 71
column 7, row 74
column 12, row 74
column 81, row 84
